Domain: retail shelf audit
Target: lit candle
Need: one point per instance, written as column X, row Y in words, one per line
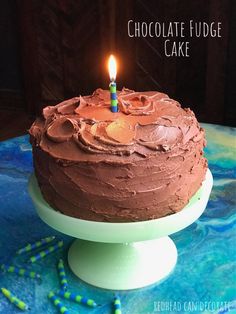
column 112, row 73
column 14, row 300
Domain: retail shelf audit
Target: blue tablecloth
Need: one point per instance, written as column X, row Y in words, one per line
column 203, row 280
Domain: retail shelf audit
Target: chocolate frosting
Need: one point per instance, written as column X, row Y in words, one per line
column 141, row 163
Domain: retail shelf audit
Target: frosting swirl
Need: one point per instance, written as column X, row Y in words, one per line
column 146, row 122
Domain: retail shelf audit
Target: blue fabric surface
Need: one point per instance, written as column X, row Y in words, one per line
column 206, row 268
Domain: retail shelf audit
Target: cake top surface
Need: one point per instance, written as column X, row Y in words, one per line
column 84, row 128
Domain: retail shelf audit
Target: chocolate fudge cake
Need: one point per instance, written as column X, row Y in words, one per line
column 144, row 162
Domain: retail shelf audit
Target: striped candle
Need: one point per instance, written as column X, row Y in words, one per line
column 112, row 73
column 31, row 246
column 20, row 271
column 58, row 303
column 45, row 252
column 77, row 298
column 114, row 102
column 62, row 275
column 117, row 305
column 14, row 300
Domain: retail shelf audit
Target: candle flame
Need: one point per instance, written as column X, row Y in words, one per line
column 112, row 67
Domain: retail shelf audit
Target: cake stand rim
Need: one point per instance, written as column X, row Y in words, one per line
column 84, row 229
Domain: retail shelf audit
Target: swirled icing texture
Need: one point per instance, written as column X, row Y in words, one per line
column 144, row 162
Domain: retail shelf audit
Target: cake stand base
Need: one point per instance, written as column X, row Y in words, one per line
column 127, row 255
column 122, row 266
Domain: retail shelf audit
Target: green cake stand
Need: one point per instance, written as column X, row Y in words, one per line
column 122, row 256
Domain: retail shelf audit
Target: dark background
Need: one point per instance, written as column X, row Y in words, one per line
column 55, row 49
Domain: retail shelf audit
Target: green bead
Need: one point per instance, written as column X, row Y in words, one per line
column 56, row 301
column 118, row 311
column 114, row 103
column 22, row 305
column 113, row 88
column 67, row 295
column 51, row 294
column 42, row 254
column 28, row 247
column 78, row 298
column 11, row 269
column 32, row 274
column 6, row 292
column 90, row 302
column 49, row 239
column 63, row 309
column 21, row 271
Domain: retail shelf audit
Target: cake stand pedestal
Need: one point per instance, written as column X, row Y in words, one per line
column 122, row 256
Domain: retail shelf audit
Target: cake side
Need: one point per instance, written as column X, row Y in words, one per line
column 144, row 162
